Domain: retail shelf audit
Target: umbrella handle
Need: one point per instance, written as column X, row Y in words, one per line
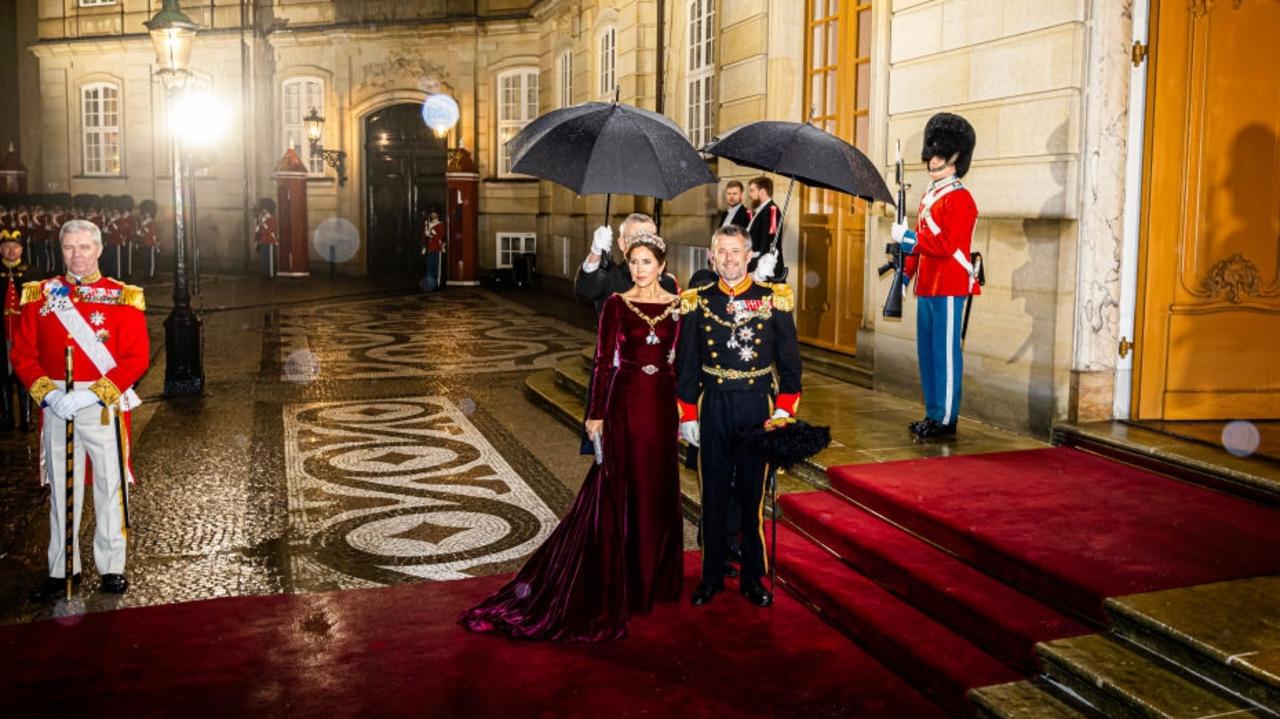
column 777, row 235
column 608, row 199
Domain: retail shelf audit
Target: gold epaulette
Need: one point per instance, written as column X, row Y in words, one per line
column 689, row 298
column 132, row 295
column 783, row 298
column 31, row 292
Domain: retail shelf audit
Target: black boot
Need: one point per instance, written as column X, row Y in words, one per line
column 705, row 592
column 114, row 584
column 933, row 429
column 54, row 588
column 755, row 593
column 917, row 425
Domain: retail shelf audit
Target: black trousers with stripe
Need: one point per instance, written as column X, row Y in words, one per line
column 726, row 473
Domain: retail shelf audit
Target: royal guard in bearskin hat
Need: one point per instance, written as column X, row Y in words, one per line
column 937, row 255
column 63, row 212
column 264, row 233
column 119, row 233
column 144, row 235
column 14, row 272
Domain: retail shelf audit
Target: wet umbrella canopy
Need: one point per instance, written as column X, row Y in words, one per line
column 608, row 148
column 802, row 152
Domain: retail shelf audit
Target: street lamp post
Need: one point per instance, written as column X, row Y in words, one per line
column 172, row 32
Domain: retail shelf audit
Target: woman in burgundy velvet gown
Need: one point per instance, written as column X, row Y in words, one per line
column 620, row 547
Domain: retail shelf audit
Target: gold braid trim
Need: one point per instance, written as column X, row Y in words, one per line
column 737, row 373
column 106, row 391
column 40, row 388
column 689, row 299
column 132, row 295
column 783, row 297
column 31, row 291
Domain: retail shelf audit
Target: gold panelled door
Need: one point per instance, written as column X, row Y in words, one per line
column 1209, row 307
column 833, row 225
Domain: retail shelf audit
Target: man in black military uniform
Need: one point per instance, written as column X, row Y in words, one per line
column 13, row 273
column 600, row 277
column 735, row 335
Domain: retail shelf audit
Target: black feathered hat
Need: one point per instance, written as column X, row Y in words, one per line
column 268, row 204
column 947, row 135
column 147, row 207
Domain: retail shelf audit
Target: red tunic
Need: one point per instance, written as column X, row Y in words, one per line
column 146, row 232
column 933, row 262
column 266, row 231
column 113, row 310
column 433, row 236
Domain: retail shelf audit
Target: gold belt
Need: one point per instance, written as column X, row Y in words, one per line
column 737, row 373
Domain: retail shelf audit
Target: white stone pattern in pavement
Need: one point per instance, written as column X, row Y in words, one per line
column 385, row 491
column 462, row 332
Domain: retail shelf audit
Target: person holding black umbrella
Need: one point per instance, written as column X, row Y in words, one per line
column 599, row 277
column 937, row 255
column 735, row 334
column 765, row 221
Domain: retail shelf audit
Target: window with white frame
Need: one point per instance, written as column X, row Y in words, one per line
column 298, row 95
column 700, row 83
column 100, row 119
column 565, row 71
column 96, row 3
column 511, row 244
column 608, row 62
column 517, row 106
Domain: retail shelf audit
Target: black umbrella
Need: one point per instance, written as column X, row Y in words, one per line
column 609, row 148
column 802, row 152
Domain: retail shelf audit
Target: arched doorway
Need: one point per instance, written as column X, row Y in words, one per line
column 404, row 175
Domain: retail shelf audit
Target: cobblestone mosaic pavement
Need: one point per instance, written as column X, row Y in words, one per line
column 399, row 447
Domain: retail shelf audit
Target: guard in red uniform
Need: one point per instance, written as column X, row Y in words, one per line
column 14, row 273
column 937, row 255
column 102, row 320
column 145, row 235
column 266, row 236
column 432, row 248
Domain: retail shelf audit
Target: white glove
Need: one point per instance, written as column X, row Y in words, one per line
column 765, row 266
column 602, row 240
column 780, row 413
column 68, row 405
column 903, row 235
column 689, row 432
column 52, row 398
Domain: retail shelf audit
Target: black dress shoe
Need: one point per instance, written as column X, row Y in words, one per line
column 934, row 428
column 114, row 584
column 917, row 425
column 705, row 592
column 755, row 593
column 53, row 588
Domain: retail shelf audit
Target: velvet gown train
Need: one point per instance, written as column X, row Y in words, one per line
column 620, row 547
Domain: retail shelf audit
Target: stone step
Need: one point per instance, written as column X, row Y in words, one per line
column 573, row 376
column 1227, row 631
column 1253, row 478
column 1123, row 681
column 1032, row 699
column 838, row 366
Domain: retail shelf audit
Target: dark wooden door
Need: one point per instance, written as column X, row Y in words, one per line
column 405, row 166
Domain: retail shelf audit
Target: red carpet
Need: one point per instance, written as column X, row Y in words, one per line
column 397, row 652
column 1068, row 526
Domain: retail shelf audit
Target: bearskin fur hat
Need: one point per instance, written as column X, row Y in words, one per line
column 946, row 135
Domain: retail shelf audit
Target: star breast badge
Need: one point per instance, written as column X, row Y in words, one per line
column 97, row 318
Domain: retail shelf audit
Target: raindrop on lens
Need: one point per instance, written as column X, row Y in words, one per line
column 301, row 366
column 811, row 279
column 468, row 406
column 1241, row 438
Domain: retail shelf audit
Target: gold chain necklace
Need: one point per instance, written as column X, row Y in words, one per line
column 652, row 338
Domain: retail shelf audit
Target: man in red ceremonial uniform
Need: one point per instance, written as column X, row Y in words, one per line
column 102, row 320
column 938, row 255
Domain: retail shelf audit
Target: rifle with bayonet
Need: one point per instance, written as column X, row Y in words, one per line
column 898, row 287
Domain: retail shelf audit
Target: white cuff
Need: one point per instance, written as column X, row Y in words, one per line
column 589, row 266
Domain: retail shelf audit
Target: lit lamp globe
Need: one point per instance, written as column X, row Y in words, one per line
column 440, row 113
column 315, row 125
column 172, row 33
